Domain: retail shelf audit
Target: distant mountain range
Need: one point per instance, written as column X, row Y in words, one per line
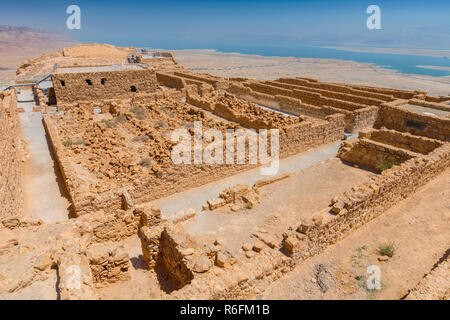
column 14, row 35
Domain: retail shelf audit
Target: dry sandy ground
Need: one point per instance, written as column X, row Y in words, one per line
column 282, row 204
column 265, row 68
column 420, row 229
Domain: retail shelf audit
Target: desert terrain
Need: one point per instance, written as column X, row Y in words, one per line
column 18, row 44
column 265, row 68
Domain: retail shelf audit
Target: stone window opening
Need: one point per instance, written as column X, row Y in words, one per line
column 89, row 82
column 103, row 81
column 63, row 83
column 133, row 89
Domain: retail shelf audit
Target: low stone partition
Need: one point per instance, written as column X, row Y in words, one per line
column 331, row 94
column 334, row 87
column 100, row 227
column 217, row 83
column 108, row 264
column 402, row 140
column 39, row 96
column 430, row 104
column 301, row 102
column 396, row 93
column 297, row 134
column 10, row 165
column 435, row 285
column 393, row 116
column 167, row 246
column 170, row 80
column 374, row 155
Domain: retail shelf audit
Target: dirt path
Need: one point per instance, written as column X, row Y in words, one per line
column 196, row 197
column 420, row 229
column 43, row 189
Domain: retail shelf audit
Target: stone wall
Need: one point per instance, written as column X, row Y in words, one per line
column 299, row 137
column 371, row 154
column 39, row 96
column 170, row 80
column 300, row 102
column 395, row 117
column 217, row 83
column 297, row 134
column 282, row 253
column 167, row 246
column 402, row 140
column 339, row 87
column 76, row 87
column 108, row 263
column 10, row 164
column 435, row 285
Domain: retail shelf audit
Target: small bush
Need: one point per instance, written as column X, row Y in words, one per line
column 121, row 119
column 67, row 143
column 387, row 249
column 109, row 124
column 79, row 142
column 141, row 138
column 147, row 162
column 385, row 164
column 138, row 112
column 248, row 205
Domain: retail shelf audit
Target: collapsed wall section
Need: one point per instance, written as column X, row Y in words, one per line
column 10, row 165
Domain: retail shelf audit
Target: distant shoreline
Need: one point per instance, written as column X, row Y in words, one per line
column 435, row 68
column 444, row 53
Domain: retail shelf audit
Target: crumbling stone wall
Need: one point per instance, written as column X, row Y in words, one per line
column 334, row 87
column 373, row 154
column 108, row 263
column 10, row 164
column 360, row 205
column 402, row 140
column 301, row 102
column 297, row 134
column 170, row 80
column 76, row 87
column 158, row 178
column 435, row 285
column 217, row 83
column 396, row 93
column 170, row 247
column 39, row 96
column 393, row 116
column 330, row 93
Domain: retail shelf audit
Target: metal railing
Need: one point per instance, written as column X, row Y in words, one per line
column 32, row 83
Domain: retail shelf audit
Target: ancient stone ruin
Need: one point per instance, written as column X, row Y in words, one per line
column 204, row 231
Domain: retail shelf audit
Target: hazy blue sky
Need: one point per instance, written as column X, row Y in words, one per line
column 213, row 24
